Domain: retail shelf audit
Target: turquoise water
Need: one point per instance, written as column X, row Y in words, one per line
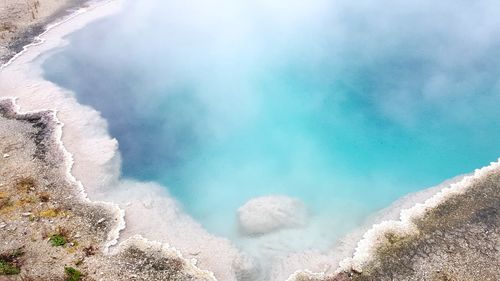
column 344, row 106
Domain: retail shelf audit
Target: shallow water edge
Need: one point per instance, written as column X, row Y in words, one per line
column 97, row 164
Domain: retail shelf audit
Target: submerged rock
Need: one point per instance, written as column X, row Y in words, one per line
column 271, row 213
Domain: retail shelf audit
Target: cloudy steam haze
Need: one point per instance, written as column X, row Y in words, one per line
column 339, row 107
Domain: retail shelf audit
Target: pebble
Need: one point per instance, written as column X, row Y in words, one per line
column 101, row 220
column 6, row 155
column 26, row 214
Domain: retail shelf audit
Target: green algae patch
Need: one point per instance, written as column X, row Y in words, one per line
column 72, row 274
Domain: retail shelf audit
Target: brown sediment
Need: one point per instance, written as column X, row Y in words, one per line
column 46, row 219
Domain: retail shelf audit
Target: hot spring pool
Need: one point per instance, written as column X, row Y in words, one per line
column 344, row 106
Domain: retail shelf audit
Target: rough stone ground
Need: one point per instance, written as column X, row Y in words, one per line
column 22, row 20
column 457, row 241
column 40, row 206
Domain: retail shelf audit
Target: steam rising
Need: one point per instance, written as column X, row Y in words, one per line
column 344, row 104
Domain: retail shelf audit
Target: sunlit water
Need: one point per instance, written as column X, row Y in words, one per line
column 222, row 102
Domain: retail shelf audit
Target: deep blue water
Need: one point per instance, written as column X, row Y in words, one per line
column 325, row 101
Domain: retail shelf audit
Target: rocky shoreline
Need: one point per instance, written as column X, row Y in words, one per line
column 48, row 224
column 458, row 239
column 454, row 235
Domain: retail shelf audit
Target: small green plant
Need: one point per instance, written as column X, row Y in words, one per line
column 72, row 274
column 57, row 240
column 7, row 268
column 9, row 263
